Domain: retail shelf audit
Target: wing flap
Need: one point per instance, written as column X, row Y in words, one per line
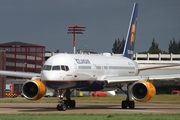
column 158, row 67
column 121, row 79
column 129, row 79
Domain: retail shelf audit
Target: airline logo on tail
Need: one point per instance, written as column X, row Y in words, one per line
column 131, row 34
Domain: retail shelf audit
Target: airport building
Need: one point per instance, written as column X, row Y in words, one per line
column 2, row 78
column 24, row 57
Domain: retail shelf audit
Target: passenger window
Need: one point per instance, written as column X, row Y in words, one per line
column 56, row 67
column 47, row 67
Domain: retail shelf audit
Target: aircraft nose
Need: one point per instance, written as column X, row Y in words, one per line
column 50, row 75
column 45, row 75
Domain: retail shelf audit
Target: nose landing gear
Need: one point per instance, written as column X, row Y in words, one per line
column 61, row 106
column 64, row 104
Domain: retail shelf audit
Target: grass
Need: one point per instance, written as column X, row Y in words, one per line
column 116, row 99
column 113, row 99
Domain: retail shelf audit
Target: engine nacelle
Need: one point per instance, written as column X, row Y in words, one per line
column 143, row 91
column 33, row 89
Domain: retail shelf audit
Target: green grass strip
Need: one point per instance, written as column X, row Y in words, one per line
column 112, row 99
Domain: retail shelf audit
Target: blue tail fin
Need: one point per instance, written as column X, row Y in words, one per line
column 131, row 34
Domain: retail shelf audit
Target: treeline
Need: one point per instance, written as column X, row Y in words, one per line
column 174, row 47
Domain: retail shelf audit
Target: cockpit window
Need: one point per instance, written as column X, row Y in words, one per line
column 67, row 68
column 57, row 67
column 47, row 67
column 64, row 67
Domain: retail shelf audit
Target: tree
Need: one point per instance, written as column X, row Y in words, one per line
column 154, row 45
column 57, row 51
column 118, row 46
column 154, row 48
column 174, row 47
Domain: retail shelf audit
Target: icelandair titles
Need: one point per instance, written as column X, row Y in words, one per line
column 130, row 52
column 83, row 61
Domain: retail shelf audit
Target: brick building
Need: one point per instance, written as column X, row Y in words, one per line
column 2, row 78
column 24, row 57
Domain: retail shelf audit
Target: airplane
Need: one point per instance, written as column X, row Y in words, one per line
column 86, row 72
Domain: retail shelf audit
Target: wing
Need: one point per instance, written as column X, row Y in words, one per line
column 112, row 80
column 19, row 74
column 157, row 67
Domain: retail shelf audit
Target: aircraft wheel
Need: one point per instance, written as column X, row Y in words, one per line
column 58, row 107
column 131, row 104
column 62, row 107
column 124, row 104
column 72, row 104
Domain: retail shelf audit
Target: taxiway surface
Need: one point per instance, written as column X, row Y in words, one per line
column 92, row 108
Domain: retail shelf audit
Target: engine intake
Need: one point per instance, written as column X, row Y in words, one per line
column 143, row 91
column 33, row 89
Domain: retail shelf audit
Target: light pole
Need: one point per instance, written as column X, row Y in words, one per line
column 75, row 30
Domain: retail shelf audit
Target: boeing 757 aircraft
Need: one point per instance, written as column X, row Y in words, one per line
column 66, row 72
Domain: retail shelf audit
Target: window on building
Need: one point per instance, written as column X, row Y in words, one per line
column 39, row 50
column 18, row 49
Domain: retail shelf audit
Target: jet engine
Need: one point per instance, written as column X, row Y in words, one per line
column 33, row 89
column 143, row 91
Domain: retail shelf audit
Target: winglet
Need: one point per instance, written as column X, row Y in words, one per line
column 131, row 34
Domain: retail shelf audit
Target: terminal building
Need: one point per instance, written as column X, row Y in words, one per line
column 2, row 78
column 24, row 57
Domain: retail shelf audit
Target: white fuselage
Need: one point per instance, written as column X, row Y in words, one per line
column 80, row 71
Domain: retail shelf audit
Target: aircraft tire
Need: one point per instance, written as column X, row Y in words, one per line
column 72, row 104
column 58, row 107
column 131, row 104
column 62, row 107
column 124, row 104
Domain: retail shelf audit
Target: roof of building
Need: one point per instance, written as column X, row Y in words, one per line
column 17, row 43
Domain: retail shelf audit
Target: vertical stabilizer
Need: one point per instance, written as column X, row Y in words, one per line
column 131, row 34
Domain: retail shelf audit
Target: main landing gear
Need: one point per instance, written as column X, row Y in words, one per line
column 127, row 103
column 64, row 104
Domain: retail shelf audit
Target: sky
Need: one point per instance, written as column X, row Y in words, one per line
column 45, row 22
